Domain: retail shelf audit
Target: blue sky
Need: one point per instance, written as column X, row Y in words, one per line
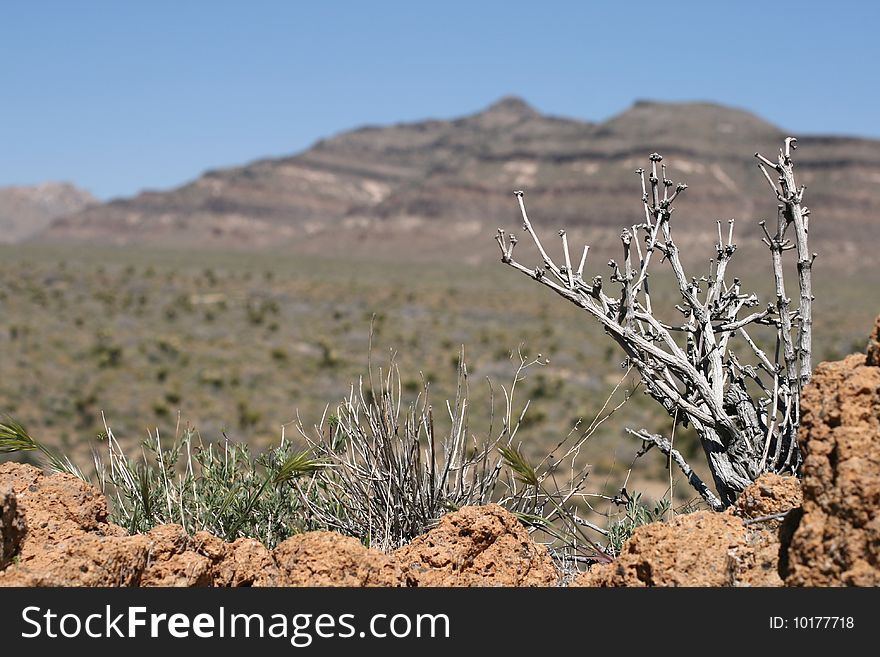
column 121, row 96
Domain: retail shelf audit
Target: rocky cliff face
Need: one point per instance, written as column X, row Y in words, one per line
column 440, row 183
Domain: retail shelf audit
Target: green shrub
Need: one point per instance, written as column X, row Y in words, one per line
column 636, row 514
column 220, row 487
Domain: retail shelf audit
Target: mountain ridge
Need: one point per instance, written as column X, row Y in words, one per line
column 443, row 181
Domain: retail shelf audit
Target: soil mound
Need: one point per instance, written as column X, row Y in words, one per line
column 699, row 549
column 67, row 540
column 769, row 495
column 477, row 546
column 330, row 559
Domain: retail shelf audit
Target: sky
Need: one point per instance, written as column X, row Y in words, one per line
column 117, row 97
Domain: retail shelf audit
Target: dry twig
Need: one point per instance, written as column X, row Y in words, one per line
column 747, row 415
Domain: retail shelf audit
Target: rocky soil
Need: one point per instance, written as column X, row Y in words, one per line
column 823, row 531
column 836, row 541
column 736, row 548
column 477, row 546
column 55, row 532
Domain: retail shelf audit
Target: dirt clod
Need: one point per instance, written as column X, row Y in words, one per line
column 769, row 495
column 247, row 562
column 330, row 559
column 699, row 549
column 174, row 559
column 68, row 541
column 477, row 546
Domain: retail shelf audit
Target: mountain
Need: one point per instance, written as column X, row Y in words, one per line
column 437, row 187
column 28, row 210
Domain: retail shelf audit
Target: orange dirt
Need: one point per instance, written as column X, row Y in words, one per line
column 328, row 559
column 770, row 494
column 837, row 541
column 477, row 546
column 55, row 533
column 699, row 549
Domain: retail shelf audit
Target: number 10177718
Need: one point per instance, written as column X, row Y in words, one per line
column 812, row 623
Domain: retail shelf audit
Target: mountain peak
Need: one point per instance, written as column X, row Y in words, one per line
column 511, row 104
column 645, row 118
column 441, row 183
column 507, row 110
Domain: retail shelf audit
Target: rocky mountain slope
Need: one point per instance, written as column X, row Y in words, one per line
column 28, row 210
column 443, row 186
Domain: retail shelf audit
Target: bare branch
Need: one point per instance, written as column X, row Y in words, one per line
column 580, row 271
column 658, row 441
column 704, row 382
column 567, row 259
column 527, row 225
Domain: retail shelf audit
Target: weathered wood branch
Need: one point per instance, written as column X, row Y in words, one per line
column 658, row 441
column 705, row 381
